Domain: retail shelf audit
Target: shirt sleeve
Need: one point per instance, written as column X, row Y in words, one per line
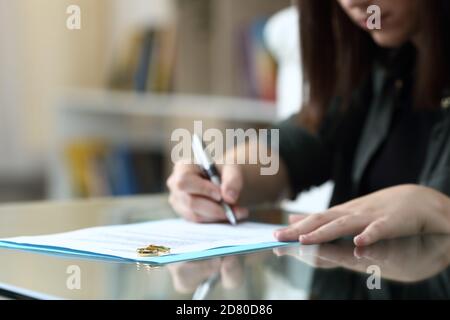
column 306, row 156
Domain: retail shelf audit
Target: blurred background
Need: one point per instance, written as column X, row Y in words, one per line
column 89, row 112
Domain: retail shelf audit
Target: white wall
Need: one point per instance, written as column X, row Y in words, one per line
column 13, row 151
column 39, row 56
column 283, row 39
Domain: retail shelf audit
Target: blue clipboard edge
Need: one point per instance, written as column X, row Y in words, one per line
column 159, row 261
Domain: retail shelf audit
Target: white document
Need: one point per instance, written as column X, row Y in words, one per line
column 177, row 234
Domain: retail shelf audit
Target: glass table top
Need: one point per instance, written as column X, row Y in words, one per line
column 408, row 268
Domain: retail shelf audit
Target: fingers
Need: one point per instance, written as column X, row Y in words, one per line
column 197, row 199
column 188, row 275
column 187, row 178
column 285, row 251
column 200, row 209
column 240, row 212
column 197, row 185
column 306, row 255
column 232, row 181
column 371, row 254
column 306, row 225
column 375, row 231
column 207, row 210
column 345, row 225
column 195, row 208
column 232, row 272
column 293, row 218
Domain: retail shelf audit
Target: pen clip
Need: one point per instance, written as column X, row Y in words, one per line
column 200, row 154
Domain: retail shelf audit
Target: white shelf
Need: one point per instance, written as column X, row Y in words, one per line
column 169, row 105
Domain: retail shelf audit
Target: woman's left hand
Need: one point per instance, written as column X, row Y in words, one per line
column 393, row 212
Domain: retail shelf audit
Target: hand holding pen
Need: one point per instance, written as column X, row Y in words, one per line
column 210, row 170
column 196, row 198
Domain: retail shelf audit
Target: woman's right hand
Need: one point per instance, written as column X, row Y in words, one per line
column 197, row 199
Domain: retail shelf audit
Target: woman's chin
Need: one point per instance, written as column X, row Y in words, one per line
column 388, row 40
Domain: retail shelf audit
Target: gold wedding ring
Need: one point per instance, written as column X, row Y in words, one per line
column 152, row 251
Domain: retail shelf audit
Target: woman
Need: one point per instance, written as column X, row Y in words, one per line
column 376, row 122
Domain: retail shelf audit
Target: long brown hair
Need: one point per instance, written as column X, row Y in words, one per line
column 337, row 55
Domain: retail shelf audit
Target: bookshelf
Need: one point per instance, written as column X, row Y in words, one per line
column 139, row 120
column 192, row 68
column 210, row 39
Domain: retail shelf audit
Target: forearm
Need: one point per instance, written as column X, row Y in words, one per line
column 263, row 182
column 263, row 188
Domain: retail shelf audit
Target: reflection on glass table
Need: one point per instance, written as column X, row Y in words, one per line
column 413, row 268
column 410, row 268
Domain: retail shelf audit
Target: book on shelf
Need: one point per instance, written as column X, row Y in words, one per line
column 97, row 169
column 213, row 48
column 147, row 61
column 160, row 74
column 121, row 176
column 146, row 58
column 86, row 173
column 258, row 67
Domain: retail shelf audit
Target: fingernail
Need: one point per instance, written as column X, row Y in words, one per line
column 276, row 251
column 303, row 238
column 358, row 240
column 357, row 253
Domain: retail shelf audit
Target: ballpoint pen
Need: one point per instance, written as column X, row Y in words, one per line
column 211, row 171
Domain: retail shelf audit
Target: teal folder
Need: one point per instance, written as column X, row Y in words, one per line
column 160, row 260
column 187, row 240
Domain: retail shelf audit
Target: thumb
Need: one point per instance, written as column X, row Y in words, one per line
column 232, row 182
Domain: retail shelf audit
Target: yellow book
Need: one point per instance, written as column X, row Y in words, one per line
column 84, row 162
